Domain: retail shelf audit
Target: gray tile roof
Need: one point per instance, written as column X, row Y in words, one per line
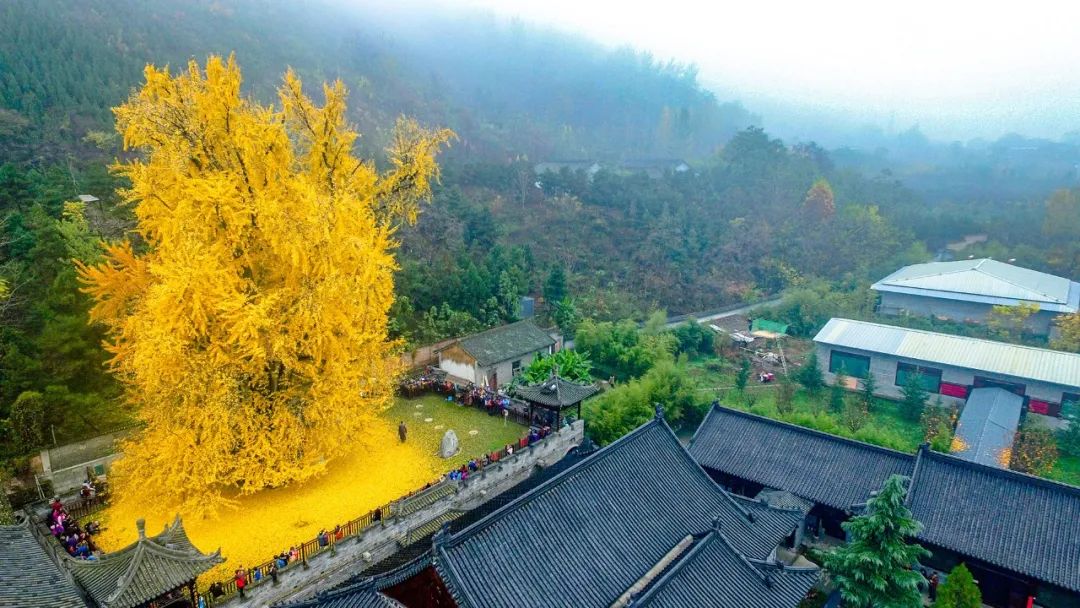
column 817, row 466
column 1014, row 360
column 144, row 570
column 1022, row 523
column 585, row 536
column 28, row 577
column 556, row 392
column 1018, row 522
column 506, row 342
column 713, row 573
column 986, row 281
column 987, row 426
column 359, row 595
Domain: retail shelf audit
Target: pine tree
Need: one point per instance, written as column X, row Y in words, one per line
column 249, row 325
column 810, row 374
column 743, row 375
column 875, row 568
column 959, row 590
column 914, row 398
column 836, row 392
column 869, row 387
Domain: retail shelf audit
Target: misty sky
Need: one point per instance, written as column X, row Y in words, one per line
column 958, row 69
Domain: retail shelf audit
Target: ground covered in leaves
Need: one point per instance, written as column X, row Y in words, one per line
column 266, row 523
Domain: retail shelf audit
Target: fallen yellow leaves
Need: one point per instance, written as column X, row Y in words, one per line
column 378, row 470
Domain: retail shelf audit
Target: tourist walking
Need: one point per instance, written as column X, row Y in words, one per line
column 402, row 431
column 241, row 581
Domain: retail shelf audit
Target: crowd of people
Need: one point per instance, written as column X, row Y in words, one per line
column 476, row 465
column 77, row 540
column 435, row 381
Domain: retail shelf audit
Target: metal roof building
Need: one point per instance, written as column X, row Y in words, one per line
column 1017, row 361
column 985, row 281
column 987, row 427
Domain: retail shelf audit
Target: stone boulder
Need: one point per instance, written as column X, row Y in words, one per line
column 449, row 444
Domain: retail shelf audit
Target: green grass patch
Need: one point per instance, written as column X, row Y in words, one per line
column 1067, row 470
column 430, row 416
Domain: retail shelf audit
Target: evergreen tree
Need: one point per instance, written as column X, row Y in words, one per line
column 785, row 395
column 743, row 375
column 555, row 285
column 810, row 374
column 914, row 398
column 959, row 590
column 836, row 392
column 869, row 387
column 875, row 569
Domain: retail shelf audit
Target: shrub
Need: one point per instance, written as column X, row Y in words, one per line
column 28, row 420
column 854, row 415
column 785, row 395
column 810, row 374
column 1034, row 451
column 743, row 375
column 937, row 426
column 914, row 399
column 959, row 590
column 836, row 392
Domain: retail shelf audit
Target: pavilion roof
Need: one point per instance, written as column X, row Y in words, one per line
column 144, row 570
column 556, row 392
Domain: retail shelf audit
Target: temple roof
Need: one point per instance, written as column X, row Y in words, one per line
column 587, row 535
column 824, row 468
column 144, row 570
column 1015, row 521
column 28, row 577
column 556, row 392
column 1023, row 523
column 714, row 573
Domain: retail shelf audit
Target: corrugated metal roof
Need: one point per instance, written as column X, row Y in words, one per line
column 984, row 280
column 987, row 426
column 1014, row 360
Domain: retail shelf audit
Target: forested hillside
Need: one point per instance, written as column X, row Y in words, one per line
column 508, row 90
column 749, row 217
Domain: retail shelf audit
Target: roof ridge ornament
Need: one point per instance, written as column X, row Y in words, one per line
column 659, row 411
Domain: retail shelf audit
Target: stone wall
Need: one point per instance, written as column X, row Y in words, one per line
column 381, row 540
column 65, row 466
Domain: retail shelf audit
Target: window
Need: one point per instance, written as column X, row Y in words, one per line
column 1012, row 387
column 857, row 366
column 1070, row 404
column 929, row 377
column 515, row 368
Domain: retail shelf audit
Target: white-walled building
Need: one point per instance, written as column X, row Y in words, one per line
column 494, row 357
column 967, row 290
column 947, row 365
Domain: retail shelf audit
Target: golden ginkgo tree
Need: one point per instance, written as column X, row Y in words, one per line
column 247, row 314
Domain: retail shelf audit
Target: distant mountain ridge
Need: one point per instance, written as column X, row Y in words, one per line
column 508, row 89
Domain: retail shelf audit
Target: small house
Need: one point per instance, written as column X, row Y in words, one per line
column 493, row 357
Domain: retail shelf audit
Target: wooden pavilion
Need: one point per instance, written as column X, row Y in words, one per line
column 157, row 570
column 555, row 395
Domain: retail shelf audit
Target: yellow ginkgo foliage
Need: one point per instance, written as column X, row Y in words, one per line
column 248, row 314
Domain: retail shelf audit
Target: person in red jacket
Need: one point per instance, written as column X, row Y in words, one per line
column 241, row 580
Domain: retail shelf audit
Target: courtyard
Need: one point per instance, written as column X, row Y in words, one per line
column 378, row 471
